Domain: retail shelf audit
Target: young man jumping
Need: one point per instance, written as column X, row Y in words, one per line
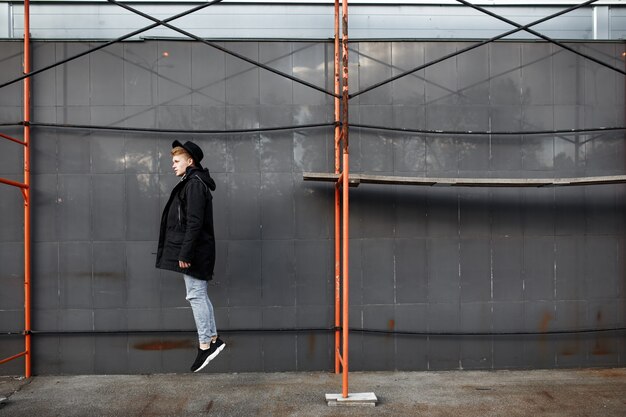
column 187, row 243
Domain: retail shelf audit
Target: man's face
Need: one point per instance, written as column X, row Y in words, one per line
column 180, row 164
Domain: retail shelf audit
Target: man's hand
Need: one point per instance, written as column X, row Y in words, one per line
column 183, row 264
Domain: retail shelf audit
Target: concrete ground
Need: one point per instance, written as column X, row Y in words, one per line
column 589, row 392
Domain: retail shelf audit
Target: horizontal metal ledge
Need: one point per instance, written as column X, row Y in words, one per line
column 356, row 179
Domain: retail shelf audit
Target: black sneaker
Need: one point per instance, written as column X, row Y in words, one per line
column 206, row 356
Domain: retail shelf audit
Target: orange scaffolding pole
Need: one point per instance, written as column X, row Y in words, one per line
column 337, row 195
column 19, row 355
column 27, row 243
column 13, row 183
column 342, row 218
column 345, row 199
column 25, row 188
column 12, row 139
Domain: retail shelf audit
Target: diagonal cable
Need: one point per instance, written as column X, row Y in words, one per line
column 221, row 48
column 544, row 37
column 109, row 43
column 469, row 48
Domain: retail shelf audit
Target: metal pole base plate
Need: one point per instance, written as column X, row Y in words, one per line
column 364, row 399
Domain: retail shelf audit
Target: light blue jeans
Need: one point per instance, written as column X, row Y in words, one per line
column 202, row 308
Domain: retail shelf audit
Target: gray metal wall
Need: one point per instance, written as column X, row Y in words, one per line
column 422, row 259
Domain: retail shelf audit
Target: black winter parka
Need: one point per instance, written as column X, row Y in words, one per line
column 186, row 232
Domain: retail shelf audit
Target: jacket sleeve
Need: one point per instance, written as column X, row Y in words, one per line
column 195, row 194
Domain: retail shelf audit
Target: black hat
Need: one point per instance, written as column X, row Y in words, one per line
column 192, row 149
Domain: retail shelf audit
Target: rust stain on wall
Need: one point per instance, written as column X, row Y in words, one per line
column 545, row 322
column 113, row 275
column 600, row 348
column 165, row 345
column 311, row 342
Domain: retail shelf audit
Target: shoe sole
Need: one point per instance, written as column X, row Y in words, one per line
column 211, row 357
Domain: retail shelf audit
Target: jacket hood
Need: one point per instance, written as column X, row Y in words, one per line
column 203, row 174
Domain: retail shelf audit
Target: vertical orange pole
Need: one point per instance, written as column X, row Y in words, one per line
column 337, row 197
column 27, row 271
column 346, row 186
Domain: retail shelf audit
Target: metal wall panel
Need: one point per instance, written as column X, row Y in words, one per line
column 422, row 259
column 295, row 21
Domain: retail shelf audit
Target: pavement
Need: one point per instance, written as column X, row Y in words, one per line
column 581, row 392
